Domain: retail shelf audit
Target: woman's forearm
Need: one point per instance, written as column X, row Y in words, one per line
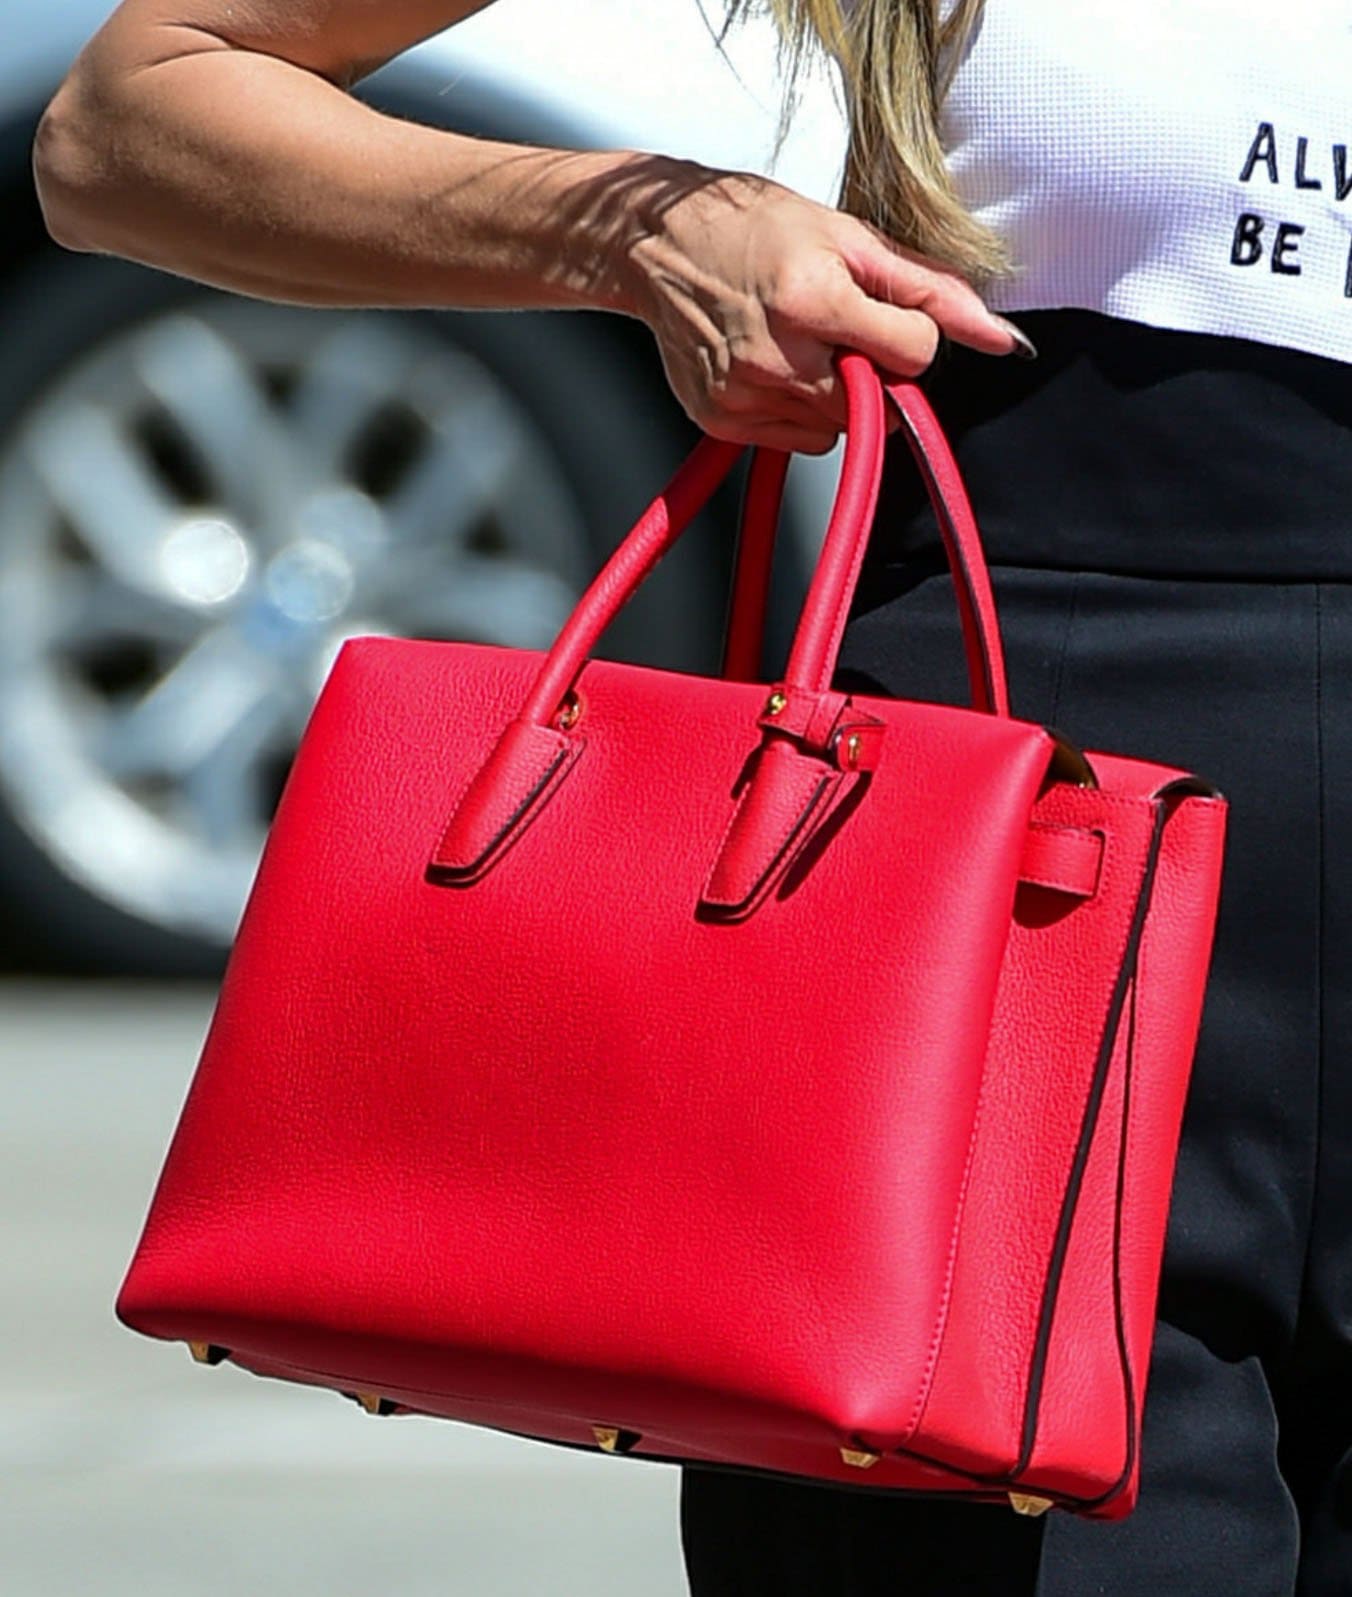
column 242, row 161
column 258, row 175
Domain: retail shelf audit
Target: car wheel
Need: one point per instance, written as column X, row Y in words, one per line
column 202, row 496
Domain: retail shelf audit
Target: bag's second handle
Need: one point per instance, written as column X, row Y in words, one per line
column 540, row 745
column 957, row 526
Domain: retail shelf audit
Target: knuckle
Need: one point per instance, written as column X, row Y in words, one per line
column 826, row 396
column 807, row 291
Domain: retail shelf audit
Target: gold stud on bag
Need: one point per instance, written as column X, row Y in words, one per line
column 1026, row 1503
column 613, row 1439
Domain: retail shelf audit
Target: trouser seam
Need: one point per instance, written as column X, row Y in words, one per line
column 1319, row 949
column 1053, row 715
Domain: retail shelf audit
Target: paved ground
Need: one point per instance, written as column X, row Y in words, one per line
column 127, row 1468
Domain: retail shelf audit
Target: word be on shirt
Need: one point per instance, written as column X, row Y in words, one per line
column 1257, row 238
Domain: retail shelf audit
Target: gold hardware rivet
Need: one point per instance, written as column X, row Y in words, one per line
column 207, row 1352
column 852, row 750
column 569, row 713
column 858, row 1459
column 775, row 703
column 615, row 1439
column 1026, row 1503
column 370, row 1401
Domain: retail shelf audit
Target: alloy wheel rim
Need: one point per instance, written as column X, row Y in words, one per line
column 197, row 513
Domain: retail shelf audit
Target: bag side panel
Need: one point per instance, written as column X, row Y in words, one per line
column 1122, row 1223
column 1048, row 1031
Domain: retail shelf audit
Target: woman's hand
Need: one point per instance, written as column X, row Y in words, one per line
column 751, row 288
column 216, row 140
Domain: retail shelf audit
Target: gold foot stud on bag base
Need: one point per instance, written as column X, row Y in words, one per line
column 1020, row 1502
column 1026, row 1503
column 373, row 1403
column 613, row 1439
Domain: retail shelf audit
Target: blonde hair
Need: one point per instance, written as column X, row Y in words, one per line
column 896, row 58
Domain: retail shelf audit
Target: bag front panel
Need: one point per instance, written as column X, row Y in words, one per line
column 492, row 1138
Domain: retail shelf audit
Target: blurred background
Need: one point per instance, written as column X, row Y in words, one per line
column 201, row 497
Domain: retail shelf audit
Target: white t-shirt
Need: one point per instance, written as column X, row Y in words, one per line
column 1186, row 163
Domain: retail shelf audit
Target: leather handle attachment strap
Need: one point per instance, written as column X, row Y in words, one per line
column 821, row 739
column 525, row 767
column 798, row 769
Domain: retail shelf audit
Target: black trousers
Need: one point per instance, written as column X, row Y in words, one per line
column 1247, row 1441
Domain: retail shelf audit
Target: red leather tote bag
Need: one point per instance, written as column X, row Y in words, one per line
column 701, row 1069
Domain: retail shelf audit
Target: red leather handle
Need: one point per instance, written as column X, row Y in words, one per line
column 957, row 524
column 618, row 580
column 750, row 602
column 817, row 642
column 830, row 736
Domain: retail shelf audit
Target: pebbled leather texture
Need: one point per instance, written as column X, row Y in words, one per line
column 1067, row 858
column 660, row 1072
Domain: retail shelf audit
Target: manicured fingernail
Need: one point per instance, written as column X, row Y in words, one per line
column 1024, row 347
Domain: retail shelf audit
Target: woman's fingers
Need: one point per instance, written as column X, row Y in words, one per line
column 777, row 418
column 895, row 276
column 900, row 340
